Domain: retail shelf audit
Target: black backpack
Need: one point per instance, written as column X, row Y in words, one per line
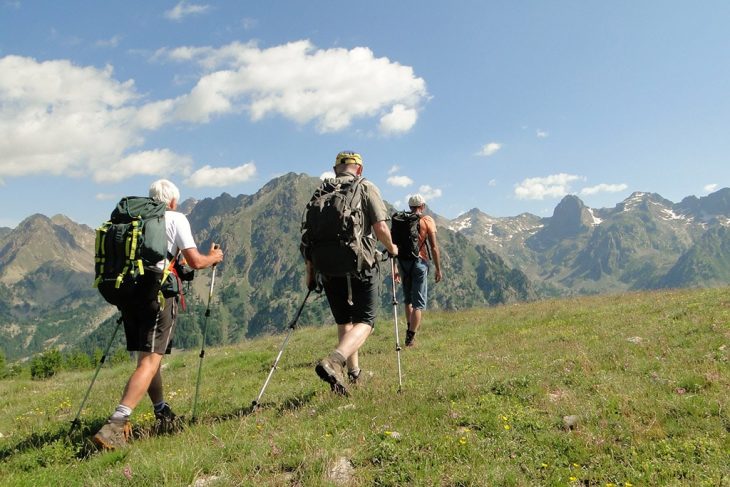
column 333, row 237
column 128, row 247
column 404, row 230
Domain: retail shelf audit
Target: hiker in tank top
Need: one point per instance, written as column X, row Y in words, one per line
column 413, row 273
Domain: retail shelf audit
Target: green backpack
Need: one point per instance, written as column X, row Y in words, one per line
column 128, row 247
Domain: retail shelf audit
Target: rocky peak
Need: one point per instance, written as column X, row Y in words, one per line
column 570, row 217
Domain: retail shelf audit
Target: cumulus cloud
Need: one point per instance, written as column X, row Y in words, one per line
column 401, row 181
column 58, row 118
column 553, row 186
column 400, row 120
column 331, row 87
column 61, row 119
column 492, row 182
column 221, row 176
column 489, row 149
column 428, row 192
column 393, row 169
column 710, row 187
column 542, row 134
column 159, row 162
column 604, row 188
column 184, row 9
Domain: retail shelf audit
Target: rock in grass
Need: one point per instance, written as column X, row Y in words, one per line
column 341, row 472
column 570, row 422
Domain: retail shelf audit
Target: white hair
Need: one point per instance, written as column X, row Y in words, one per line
column 164, row 191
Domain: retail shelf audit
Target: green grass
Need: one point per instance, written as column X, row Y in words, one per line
column 483, row 400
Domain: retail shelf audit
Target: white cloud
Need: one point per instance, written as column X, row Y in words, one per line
column 332, row 87
column 710, row 187
column 57, row 118
column 489, row 149
column 393, row 169
column 492, row 182
column 184, row 8
column 604, row 188
column 429, row 193
column 105, row 196
column 221, row 176
column 401, row 119
column 401, row 181
column 553, row 186
column 542, row 134
column 327, row 175
column 160, row 162
column 111, row 42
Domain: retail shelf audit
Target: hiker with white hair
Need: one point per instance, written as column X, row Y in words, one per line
column 149, row 312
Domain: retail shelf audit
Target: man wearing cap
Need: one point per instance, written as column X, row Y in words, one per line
column 353, row 300
column 414, row 272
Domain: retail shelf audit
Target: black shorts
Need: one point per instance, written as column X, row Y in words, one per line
column 147, row 327
column 364, row 299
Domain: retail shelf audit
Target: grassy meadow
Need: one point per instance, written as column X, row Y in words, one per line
column 644, row 378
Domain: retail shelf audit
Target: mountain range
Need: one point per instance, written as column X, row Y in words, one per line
column 644, row 242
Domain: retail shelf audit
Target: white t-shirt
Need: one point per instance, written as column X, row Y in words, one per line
column 179, row 234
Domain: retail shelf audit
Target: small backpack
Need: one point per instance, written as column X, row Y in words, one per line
column 128, row 247
column 333, row 237
column 405, row 229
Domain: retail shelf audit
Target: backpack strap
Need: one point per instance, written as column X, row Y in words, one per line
column 425, row 240
column 99, row 251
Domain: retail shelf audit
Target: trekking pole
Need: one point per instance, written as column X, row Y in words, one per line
column 292, row 326
column 75, row 423
column 395, row 317
column 202, row 347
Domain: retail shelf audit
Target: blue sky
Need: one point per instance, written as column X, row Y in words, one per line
column 504, row 106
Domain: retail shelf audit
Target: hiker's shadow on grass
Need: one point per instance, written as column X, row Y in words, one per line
column 78, row 440
column 35, row 440
column 289, row 404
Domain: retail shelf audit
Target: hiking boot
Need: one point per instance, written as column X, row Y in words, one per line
column 167, row 421
column 114, row 434
column 332, row 373
column 359, row 378
column 410, row 338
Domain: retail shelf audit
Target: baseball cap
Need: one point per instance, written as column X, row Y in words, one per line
column 416, row 200
column 348, row 157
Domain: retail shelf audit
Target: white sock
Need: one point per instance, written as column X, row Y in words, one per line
column 122, row 412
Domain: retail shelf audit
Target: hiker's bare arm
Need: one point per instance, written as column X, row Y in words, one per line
column 383, row 233
column 196, row 260
column 435, row 254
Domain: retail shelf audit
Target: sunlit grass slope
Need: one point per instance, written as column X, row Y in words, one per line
column 484, row 400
